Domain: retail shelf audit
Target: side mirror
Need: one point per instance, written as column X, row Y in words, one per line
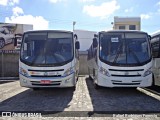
column 95, row 43
column 75, row 37
column 149, row 37
column 77, row 45
column 95, row 35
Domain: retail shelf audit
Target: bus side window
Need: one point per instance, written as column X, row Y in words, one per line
column 155, row 49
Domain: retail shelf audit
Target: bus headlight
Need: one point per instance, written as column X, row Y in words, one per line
column 23, row 72
column 68, row 71
column 104, row 71
column 147, row 72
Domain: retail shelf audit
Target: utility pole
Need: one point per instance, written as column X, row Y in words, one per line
column 112, row 23
column 74, row 22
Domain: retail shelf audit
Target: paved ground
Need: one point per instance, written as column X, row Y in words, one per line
column 82, row 102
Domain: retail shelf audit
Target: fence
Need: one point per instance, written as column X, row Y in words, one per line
column 9, row 64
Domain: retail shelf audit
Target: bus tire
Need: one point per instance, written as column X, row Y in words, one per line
column 96, row 86
column 73, row 88
column 153, row 82
column 90, row 77
column 77, row 78
column 35, row 89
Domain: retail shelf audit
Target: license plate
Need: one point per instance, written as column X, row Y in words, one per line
column 45, row 82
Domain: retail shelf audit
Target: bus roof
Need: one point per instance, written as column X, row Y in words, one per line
column 126, row 31
column 32, row 31
column 155, row 33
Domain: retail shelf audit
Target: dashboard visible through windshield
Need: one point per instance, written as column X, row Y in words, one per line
column 124, row 48
column 47, row 48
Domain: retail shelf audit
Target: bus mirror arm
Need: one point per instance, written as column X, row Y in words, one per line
column 75, row 37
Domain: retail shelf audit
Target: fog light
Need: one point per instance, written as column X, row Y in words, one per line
column 24, row 80
column 67, row 81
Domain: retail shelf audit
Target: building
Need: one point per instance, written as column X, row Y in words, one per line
column 85, row 38
column 11, row 33
column 127, row 23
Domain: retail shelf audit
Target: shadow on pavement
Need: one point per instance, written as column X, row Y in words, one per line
column 107, row 101
column 3, row 82
column 45, row 101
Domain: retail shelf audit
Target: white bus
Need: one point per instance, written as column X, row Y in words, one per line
column 155, row 44
column 120, row 59
column 49, row 58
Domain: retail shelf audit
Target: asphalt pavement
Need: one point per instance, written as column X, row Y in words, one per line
column 84, row 101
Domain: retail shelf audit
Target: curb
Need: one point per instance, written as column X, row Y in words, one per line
column 9, row 78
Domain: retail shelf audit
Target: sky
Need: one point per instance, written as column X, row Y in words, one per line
column 92, row 15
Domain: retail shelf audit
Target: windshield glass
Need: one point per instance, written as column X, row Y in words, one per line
column 124, row 48
column 47, row 48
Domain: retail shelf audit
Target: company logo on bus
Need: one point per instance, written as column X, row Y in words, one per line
column 45, row 74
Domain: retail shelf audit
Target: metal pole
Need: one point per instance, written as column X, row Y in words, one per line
column 2, row 65
column 112, row 23
column 74, row 24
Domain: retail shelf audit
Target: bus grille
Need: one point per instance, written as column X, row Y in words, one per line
column 46, row 76
column 119, row 82
column 46, row 70
column 126, row 83
column 126, row 70
column 47, row 84
column 125, row 75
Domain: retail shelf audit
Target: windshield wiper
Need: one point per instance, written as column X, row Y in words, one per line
column 118, row 53
column 135, row 56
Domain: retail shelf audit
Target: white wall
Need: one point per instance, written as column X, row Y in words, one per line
column 27, row 27
column 85, row 38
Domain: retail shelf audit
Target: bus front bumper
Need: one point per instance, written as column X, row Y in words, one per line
column 36, row 82
column 105, row 81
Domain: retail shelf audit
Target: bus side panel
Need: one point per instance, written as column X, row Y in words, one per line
column 156, row 71
column 92, row 65
column 76, row 69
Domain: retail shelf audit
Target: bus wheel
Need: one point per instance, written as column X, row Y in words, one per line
column 90, row 77
column 73, row 88
column 77, row 78
column 35, row 89
column 153, row 82
column 95, row 85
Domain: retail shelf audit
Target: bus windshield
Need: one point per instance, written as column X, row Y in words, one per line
column 47, row 48
column 124, row 48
